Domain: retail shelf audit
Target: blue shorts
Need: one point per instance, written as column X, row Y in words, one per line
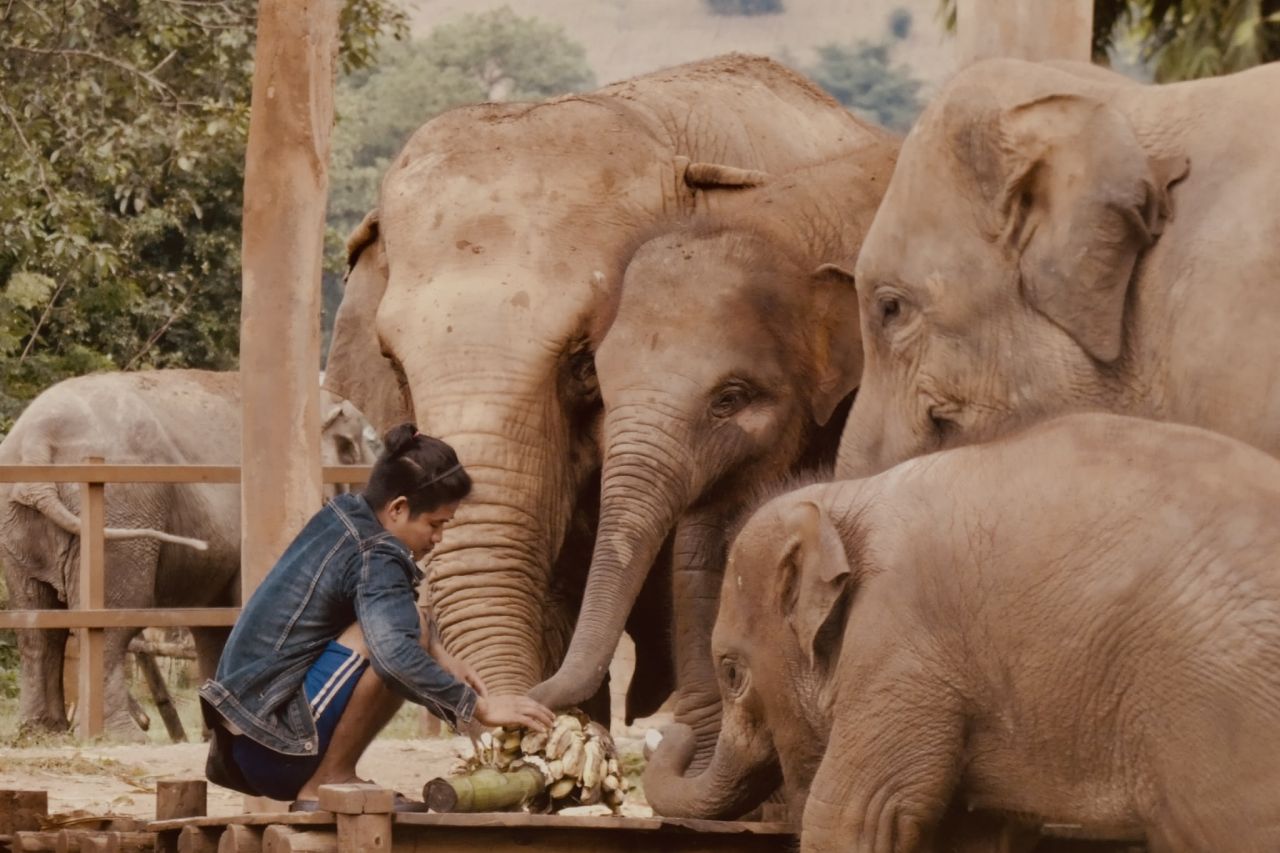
column 328, row 685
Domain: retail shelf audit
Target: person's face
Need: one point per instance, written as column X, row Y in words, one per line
column 420, row 532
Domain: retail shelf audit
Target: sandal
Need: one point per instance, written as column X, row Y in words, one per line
column 402, row 804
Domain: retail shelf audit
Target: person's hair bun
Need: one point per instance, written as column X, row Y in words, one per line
column 399, row 439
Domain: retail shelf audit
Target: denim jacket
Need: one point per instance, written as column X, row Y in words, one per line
column 342, row 568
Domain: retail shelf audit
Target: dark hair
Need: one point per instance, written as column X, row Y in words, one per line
column 421, row 468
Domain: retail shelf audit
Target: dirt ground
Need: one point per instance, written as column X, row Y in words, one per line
column 121, row 778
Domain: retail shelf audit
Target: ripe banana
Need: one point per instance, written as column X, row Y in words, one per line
column 574, row 755
column 593, row 763
column 611, row 783
column 562, row 788
column 555, row 770
column 558, row 741
column 533, row 743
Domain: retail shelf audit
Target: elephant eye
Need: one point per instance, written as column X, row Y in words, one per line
column 735, row 676
column 730, row 399
column 889, row 308
column 583, row 366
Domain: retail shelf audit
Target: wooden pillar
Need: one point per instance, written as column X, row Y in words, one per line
column 285, row 187
column 93, row 595
column 1024, row 29
column 177, row 798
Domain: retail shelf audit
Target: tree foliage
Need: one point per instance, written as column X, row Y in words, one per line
column 862, row 77
column 493, row 56
column 122, row 135
column 1182, row 39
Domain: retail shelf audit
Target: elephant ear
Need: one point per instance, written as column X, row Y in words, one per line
column 1081, row 201
column 815, row 578
column 356, row 368
column 835, row 339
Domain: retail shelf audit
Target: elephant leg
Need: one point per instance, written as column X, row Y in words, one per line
column 42, row 704
column 890, row 770
column 697, row 571
column 209, row 643
column 119, row 722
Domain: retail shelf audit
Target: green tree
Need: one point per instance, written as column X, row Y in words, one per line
column 122, row 134
column 1182, row 39
column 493, row 56
column 863, row 77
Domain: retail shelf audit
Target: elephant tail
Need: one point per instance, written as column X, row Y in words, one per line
column 43, row 497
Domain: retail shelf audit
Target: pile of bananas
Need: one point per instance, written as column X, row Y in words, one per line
column 577, row 758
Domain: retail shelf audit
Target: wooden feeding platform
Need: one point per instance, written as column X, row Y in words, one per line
column 360, row 819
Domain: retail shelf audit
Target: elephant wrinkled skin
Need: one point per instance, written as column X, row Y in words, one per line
column 1077, row 241
column 728, row 364
column 1077, row 624
column 499, row 239
column 173, row 417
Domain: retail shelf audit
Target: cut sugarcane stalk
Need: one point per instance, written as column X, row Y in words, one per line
column 484, row 790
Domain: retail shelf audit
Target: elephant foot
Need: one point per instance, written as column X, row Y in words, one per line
column 42, row 727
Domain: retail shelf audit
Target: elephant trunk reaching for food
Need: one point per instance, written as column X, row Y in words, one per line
column 741, row 774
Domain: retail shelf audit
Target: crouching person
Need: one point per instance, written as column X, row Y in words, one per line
column 332, row 641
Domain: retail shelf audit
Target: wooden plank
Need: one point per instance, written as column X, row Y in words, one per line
column 179, row 798
column 22, row 810
column 284, row 839
column 285, row 187
column 227, row 474
column 90, row 704
column 120, row 473
column 257, row 819
column 360, row 798
column 567, row 840
column 519, row 820
column 178, row 617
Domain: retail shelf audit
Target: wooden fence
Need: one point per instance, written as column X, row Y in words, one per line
column 89, row 614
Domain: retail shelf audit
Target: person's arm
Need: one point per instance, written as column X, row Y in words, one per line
column 386, row 608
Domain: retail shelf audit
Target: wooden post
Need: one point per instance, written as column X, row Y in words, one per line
column 285, row 188
column 177, row 798
column 363, row 814
column 284, row 839
column 240, row 839
column 93, row 556
column 1024, row 29
column 22, row 810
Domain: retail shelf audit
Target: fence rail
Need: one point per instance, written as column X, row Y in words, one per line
column 89, row 614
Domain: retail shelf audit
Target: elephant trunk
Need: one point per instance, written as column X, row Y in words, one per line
column 490, row 573
column 643, row 491
column 737, row 780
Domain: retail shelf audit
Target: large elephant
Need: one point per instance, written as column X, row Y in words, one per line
column 499, row 240
column 1075, row 241
column 1078, row 624
column 729, row 363
column 176, row 417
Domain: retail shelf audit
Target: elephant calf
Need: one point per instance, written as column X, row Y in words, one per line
column 1078, row 624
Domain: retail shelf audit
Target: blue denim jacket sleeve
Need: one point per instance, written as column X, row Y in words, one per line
column 387, row 610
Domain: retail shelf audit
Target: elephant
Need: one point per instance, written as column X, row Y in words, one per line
column 1077, row 623
column 729, row 361
column 1077, row 241
column 177, row 417
column 469, row 304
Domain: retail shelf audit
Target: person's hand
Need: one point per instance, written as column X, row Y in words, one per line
column 514, row 711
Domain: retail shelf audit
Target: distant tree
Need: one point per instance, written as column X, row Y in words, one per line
column 1182, row 39
column 900, row 20
column 122, row 134
column 495, row 55
column 744, row 7
column 862, row 77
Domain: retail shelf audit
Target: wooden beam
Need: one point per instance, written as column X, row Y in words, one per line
column 286, row 183
column 180, row 617
column 160, row 693
column 158, row 473
column 1024, row 29
column 179, row 798
column 90, row 705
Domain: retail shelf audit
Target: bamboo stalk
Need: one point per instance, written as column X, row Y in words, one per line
column 484, row 790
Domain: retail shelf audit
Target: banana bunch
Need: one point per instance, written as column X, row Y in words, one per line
column 577, row 758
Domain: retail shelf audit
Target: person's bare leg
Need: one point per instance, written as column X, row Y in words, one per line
column 368, row 711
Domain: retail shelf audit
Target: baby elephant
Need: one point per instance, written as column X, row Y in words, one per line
column 1078, row 624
